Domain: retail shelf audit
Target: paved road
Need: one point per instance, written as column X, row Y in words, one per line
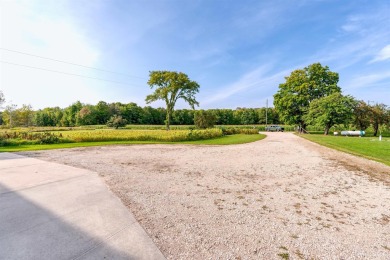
column 54, row 211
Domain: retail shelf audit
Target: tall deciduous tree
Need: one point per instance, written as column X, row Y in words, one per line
column 379, row 116
column 293, row 98
column 362, row 115
column 330, row 110
column 25, row 115
column 169, row 87
column 9, row 116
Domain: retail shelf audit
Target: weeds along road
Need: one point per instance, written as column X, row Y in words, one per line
column 279, row 197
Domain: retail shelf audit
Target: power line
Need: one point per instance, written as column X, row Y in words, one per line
column 75, row 64
column 66, row 73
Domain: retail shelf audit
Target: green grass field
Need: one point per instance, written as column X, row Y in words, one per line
column 225, row 140
column 368, row 147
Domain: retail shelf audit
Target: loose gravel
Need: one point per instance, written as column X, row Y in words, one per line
column 279, row 198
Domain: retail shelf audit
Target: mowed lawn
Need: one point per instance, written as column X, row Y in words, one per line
column 368, row 147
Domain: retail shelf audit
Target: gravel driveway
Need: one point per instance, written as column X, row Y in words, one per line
column 278, row 198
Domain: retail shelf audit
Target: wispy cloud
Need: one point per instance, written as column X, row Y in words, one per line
column 258, row 78
column 384, row 54
column 367, row 81
column 359, row 39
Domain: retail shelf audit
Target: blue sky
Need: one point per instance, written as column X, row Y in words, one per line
column 238, row 51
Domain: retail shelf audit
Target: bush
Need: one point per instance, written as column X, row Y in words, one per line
column 116, row 121
column 22, row 137
column 236, row 130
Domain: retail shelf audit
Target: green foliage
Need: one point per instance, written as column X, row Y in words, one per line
column 229, row 139
column 204, row 119
column 376, row 116
column 267, row 115
column 302, row 87
column 79, row 114
column 116, row 122
column 223, row 116
column 239, row 130
column 169, row 87
column 102, row 112
column 153, row 116
column 131, row 112
column 69, row 117
column 379, row 116
column 183, row 117
column 245, row 116
column 330, row 110
column 15, row 117
column 361, row 115
column 50, row 116
column 22, row 137
column 86, row 116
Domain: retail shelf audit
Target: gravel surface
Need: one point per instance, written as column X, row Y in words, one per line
column 279, row 198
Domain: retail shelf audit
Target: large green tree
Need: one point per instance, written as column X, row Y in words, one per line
column 293, row 98
column 362, row 115
column 330, row 110
column 169, row 87
column 25, row 115
column 132, row 113
column 10, row 117
column 379, row 116
column 69, row 115
column 86, row 116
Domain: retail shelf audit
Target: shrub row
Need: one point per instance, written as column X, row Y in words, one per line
column 20, row 137
column 237, row 130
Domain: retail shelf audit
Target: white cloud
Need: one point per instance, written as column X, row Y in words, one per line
column 384, row 54
column 358, row 40
column 367, row 81
column 353, row 24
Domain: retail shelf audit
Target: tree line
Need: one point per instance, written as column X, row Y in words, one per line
column 78, row 114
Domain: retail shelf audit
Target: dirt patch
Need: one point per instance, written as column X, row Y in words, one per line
column 281, row 197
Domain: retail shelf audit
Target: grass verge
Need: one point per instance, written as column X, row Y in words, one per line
column 367, row 147
column 225, row 140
